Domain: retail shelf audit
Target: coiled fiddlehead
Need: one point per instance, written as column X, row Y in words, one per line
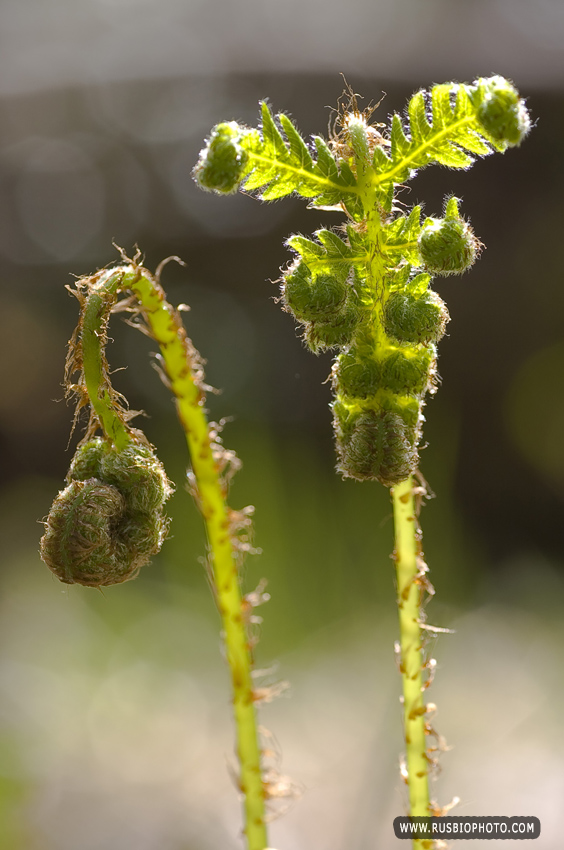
column 108, row 522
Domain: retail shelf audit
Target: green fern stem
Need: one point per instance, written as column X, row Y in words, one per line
column 408, row 588
column 409, row 592
column 92, row 330
column 166, row 328
column 168, row 331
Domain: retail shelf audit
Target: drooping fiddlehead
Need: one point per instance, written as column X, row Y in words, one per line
column 105, row 525
column 109, row 520
column 363, row 289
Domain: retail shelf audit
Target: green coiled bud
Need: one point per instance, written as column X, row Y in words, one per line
column 86, row 461
column 105, row 525
column 356, row 376
column 409, row 372
column 415, row 319
column 409, row 410
column 375, row 445
column 447, row 246
column 502, row 113
column 319, row 336
column 312, row 299
column 139, row 475
column 222, row 163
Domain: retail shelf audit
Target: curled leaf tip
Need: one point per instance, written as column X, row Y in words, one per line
column 109, row 520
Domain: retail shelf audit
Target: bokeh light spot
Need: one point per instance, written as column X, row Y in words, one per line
column 60, row 198
column 534, row 410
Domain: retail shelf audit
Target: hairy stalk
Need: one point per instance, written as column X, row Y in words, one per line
column 92, row 478
column 166, row 328
column 93, row 334
column 409, row 595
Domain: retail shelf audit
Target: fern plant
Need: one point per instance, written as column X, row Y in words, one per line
column 363, row 290
column 109, row 519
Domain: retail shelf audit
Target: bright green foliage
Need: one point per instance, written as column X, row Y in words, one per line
column 365, row 290
column 277, row 165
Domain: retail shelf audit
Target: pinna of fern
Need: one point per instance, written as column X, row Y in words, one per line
column 365, row 291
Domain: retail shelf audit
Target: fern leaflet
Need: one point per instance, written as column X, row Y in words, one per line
column 443, row 127
column 281, row 166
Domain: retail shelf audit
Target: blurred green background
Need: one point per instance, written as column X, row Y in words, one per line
column 115, row 729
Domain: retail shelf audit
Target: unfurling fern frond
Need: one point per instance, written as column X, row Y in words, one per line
column 365, row 291
column 109, row 519
column 276, row 165
column 451, row 125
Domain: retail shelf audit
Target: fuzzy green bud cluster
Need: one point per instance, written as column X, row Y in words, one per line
column 380, row 391
column 363, row 289
column 379, row 386
column 108, row 522
column 325, row 304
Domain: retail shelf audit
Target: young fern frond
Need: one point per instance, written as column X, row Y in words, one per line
column 368, row 296
column 449, row 126
column 279, row 167
column 368, row 292
column 109, row 520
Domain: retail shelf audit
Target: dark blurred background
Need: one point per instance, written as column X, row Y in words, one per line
column 114, row 709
